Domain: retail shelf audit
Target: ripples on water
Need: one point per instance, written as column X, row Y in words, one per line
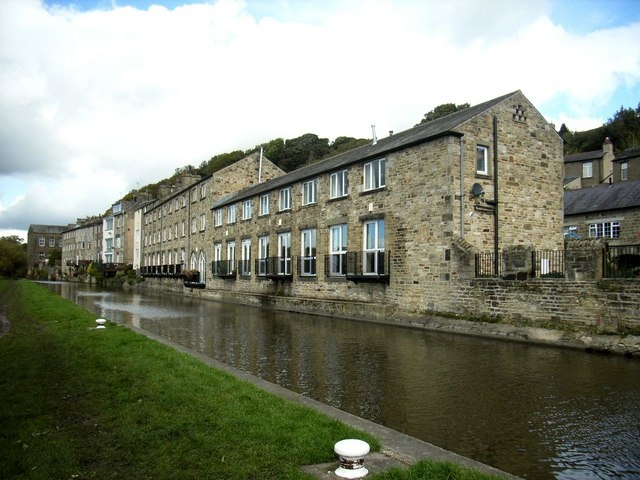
column 532, row 411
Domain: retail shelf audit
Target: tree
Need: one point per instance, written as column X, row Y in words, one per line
column 443, row 110
column 13, row 257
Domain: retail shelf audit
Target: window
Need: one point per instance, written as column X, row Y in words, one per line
column 231, row 256
column 231, row 214
column 587, row 170
column 309, row 252
column 217, row 217
column 194, row 194
column 309, row 192
column 203, row 222
column 217, row 258
column 284, row 253
column 52, row 242
column 245, row 262
column 41, row 242
column 285, row 199
column 175, row 230
column 374, row 174
column 624, row 171
column 264, row 205
column 604, row 230
column 338, row 184
column 246, row 210
column 482, row 160
column 571, row 231
column 263, row 255
column 338, row 250
column 203, row 190
column 184, row 230
column 373, row 247
column 194, row 225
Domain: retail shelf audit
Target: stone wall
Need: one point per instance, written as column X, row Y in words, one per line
column 606, row 305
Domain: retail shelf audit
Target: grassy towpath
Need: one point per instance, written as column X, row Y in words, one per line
column 81, row 403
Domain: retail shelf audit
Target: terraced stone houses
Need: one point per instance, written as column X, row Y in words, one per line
column 393, row 224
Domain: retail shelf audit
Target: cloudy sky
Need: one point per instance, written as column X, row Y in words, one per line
column 98, row 97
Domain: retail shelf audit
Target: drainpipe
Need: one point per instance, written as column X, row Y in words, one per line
column 462, row 187
column 495, row 193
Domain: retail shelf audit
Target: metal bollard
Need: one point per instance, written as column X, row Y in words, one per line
column 351, row 453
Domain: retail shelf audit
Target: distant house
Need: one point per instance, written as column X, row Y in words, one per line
column 587, row 169
column 626, row 165
column 609, row 211
column 82, row 244
column 42, row 241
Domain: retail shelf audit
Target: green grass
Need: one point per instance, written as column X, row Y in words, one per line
column 81, row 403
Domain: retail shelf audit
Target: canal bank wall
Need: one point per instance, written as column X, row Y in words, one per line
column 602, row 316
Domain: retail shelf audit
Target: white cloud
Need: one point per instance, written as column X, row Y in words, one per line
column 116, row 97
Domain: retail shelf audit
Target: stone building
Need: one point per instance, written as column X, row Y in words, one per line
column 589, row 168
column 81, row 245
column 42, row 241
column 175, row 229
column 626, row 165
column 395, row 223
column 607, row 212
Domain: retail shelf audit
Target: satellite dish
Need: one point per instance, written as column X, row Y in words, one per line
column 476, row 190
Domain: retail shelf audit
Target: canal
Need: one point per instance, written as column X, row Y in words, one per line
column 536, row 412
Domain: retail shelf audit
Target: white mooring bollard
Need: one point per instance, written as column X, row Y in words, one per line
column 351, row 453
column 100, row 323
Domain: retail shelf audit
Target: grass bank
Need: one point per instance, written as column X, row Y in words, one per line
column 81, row 403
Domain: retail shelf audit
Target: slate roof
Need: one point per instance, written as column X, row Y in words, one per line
column 421, row 133
column 628, row 154
column 48, row 229
column 584, row 156
column 602, row 197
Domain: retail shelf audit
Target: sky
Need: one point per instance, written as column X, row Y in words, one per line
column 100, row 97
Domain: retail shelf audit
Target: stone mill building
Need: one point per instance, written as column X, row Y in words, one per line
column 387, row 228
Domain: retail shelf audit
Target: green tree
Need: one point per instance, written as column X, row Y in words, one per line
column 442, row 110
column 13, row 257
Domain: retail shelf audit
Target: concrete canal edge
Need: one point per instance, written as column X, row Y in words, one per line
column 628, row 345
column 398, row 449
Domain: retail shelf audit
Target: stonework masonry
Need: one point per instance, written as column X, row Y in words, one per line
column 411, row 211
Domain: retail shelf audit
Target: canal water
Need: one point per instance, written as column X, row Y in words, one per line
column 536, row 412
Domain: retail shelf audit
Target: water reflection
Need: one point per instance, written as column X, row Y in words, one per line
column 535, row 412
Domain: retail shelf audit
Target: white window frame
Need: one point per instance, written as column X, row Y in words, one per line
column 609, row 229
column 217, row 256
column 264, row 204
column 42, row 241
column 373, row 235
column 338, row 250
column 339, row 184
column 309, row 192
column 263, row 255
column 285, row 199
column 624, row 171
column 203, row 222
column 284, row 253
column 245, row 266
column 194, row 225
column 217, row 217
column 375, row 175
column 587, row 170
column 231, row 256
column 247, row 210
column 308, row 246
column 231, row 213
column 482, row 160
